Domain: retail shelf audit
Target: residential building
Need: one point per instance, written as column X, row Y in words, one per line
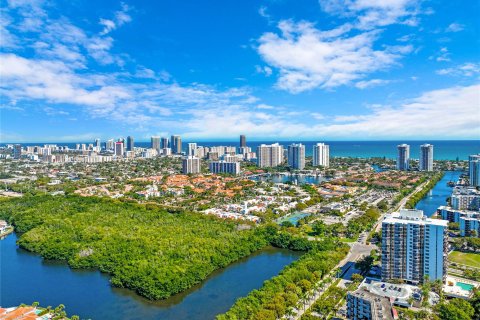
column 176, row 144
column 110, row 144
column 296, row 156
column 155, row 143
column 403, row 157
column 192, row 148
column 243, row 141
column 413, row 246
column 212, row 156
column 321, row 155
column 164, row 143
column 201, row 152
column 465, row 198
column 365, row 305
column 119, row 149
column 17, row 151
column 190, row 164
column 130, row 143
column 269, row 155
column 474, row 170
column 244, row 150
column 224, row 167
column 97, row 143
column 426, row 157
column 450, row 214
column 470, row 225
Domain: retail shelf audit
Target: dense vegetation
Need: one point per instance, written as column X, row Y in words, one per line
column 278, row 295
column 353, row 229
column 143, row 247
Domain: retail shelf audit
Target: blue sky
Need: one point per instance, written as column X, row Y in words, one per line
column 279, row 69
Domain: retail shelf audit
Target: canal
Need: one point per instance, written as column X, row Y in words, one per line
column 439, row 194
column 25, row 277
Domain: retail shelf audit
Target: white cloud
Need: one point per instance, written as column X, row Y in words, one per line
column 454, row 111
column 265, row 106
column 120, row 18
column 31, row 12
column 55, row 111
column 455, row 27
column 468, row 69
column 443, row 55
column 309, row 58
column 263, row 12
column 374, row 13
column 433, row 114
column 318, row 116
column 266, row 70
column 371, row 83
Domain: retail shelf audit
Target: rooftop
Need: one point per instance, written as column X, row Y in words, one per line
column 413, row 216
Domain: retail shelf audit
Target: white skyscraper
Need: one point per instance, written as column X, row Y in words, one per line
column 413, row 246
column 192, row 148
column 426, row 157
column 474, row 169
column 296, row 156
column 110, row 144
column 321, row 155
column 269, row 155
column 119, row 149
column 190, row 165
column 403, row 156
column 155, row 143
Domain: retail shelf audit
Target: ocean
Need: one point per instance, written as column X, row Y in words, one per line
column 442, row 150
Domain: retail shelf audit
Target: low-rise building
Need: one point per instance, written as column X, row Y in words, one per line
column 364, row 305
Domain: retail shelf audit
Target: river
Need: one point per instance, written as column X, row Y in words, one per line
column 25, row 277
column 439, row 194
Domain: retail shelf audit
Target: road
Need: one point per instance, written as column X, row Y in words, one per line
column 358, row 249
column 399, row 206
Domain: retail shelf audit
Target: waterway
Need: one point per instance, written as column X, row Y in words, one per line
column 25, row 278
column 284, row 178
column 439, row 194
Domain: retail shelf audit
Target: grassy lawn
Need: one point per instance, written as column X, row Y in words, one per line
column 470, row 259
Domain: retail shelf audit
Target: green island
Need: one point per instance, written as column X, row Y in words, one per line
column 145, row 248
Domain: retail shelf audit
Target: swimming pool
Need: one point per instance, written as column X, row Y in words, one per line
column 465, row 286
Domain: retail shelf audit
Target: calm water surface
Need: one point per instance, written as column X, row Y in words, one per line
column 25, row 278
column 439, row 194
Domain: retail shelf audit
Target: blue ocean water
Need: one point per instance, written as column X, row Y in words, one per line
column 443, row 149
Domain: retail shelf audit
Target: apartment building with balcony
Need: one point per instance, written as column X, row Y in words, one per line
column 413, row 246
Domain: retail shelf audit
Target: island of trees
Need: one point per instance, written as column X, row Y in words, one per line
column 147, row 249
